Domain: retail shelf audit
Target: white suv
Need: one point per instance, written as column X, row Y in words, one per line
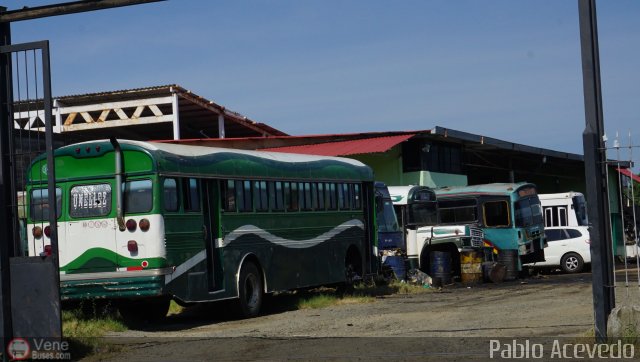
column 568, row 248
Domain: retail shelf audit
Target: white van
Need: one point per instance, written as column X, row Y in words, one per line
column 564, row 209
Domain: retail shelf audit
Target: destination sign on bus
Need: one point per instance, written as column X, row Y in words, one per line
column 527, row 191
column 90, row 200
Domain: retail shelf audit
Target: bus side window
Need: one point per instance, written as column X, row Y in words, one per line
column 548, row 216
column 356, row 197
column 229, row 192
column 320, row 196
column 343, row 196
column 331, row 196
column 562, row 215
column 137, row 196
column 271, row 190
column 348, row 202
column 293, row 205
column 245, row 190
column 305, row 193
column 314, row 196
column 279, row 196
column 301, row 200
column 260, row 195
column 170, row 194
column 191, row 195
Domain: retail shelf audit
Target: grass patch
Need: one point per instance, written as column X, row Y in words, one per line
column 383, row 287
column 361, row 293
column 77, row 325
column 317, row 301
column 85, row 325
column 326, row 300
column 174, row 308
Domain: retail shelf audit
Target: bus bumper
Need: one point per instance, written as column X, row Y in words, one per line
column 112, row 288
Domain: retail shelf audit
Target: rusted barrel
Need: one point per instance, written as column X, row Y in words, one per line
column 471, row 266
column 440, row 266
column 509, row 258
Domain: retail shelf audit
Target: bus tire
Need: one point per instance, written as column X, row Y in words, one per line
column 250, row 290
column 144, row 310
column 352, row 271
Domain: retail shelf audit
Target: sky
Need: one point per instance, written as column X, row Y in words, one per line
column 508, row 69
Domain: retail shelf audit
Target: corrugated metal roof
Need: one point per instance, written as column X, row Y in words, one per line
column 628, row 173
column 345, row 148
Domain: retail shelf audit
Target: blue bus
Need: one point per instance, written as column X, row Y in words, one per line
column 509, row 214
column 389, row 232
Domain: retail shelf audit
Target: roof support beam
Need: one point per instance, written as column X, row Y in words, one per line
column 119, row 123
column 221, row 126
column 36, row 12
column 176, row 115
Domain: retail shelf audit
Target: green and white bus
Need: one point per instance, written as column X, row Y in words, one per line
column 142, row 223
column 423, row 234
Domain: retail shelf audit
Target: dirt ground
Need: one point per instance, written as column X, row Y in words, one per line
column 455, row 323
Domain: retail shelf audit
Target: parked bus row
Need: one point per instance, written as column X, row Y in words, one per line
column 143, row 223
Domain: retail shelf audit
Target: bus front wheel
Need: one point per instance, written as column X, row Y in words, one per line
column 250, row 290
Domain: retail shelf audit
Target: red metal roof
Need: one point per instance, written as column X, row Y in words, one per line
column 628, row 173
column 345, row 148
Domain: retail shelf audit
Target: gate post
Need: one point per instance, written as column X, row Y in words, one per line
column 6, row 223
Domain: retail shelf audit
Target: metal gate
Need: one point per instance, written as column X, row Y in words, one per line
column 26, row 131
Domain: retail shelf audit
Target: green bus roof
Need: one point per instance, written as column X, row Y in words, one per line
column 197, row 161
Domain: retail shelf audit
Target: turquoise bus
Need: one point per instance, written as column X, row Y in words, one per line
column 142, row 223
column 509, row 214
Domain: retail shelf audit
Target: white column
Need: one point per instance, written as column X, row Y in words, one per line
column 176, row 114
column 221, row 125
column 56, row 111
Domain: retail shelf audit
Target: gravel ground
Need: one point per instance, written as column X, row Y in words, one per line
column 455, row 323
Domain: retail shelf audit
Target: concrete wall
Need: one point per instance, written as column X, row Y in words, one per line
column 387, row 168
column 434, row 179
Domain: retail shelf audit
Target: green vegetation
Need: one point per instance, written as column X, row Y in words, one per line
column 85, row 325
column 361, row 293
column 327, row 300
column 175, row 308
column 75, row 324
column 383, row 287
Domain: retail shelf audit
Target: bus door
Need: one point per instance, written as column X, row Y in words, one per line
column 212, row 237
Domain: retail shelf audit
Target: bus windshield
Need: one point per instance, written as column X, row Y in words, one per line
column 458, row 211
column 580, row 207
column 387, row 221
column 424, row 213
column 528, row 212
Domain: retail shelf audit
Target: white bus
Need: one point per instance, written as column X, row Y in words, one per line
column 417, row 210
column 564, row 209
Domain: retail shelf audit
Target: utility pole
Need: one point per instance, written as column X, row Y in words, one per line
column 595, row 157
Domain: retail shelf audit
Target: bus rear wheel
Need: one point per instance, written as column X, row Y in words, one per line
column 250, row 290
